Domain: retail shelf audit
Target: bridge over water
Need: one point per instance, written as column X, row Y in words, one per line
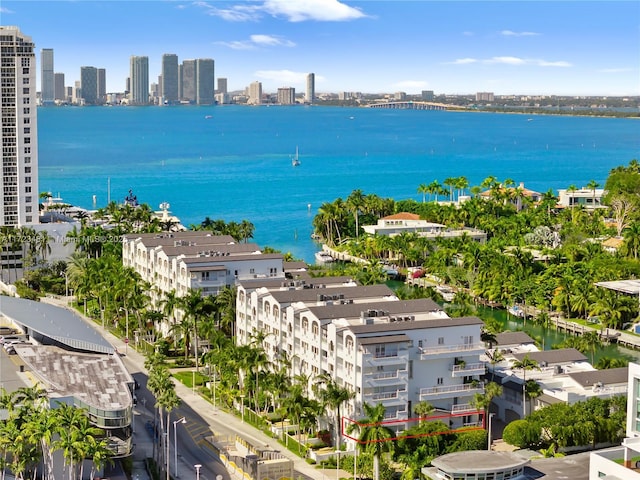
column 410, row 105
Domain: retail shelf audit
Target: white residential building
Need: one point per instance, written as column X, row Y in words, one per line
column 387, row 351
column 19, row 204
column 564, row 375
column 186, row 260
column 586, row 197
column 411, row 223
column 620, row 463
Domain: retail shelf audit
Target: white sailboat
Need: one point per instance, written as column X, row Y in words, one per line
column 295, row 161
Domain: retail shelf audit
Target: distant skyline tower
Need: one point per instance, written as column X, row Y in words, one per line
column 255, row 93
column 222, row 85
column 139, row 74
column 287, row 96
column 47, row 93
column 169, row 90
column 205, row 85
column 60, row 92
column 89, row 85
column 102, row 85
column 189, row 80
column 18, row 70
column 311, row 88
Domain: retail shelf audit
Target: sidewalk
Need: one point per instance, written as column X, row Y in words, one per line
column 221, row 423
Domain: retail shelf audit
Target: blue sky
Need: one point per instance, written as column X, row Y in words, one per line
column 375, row 46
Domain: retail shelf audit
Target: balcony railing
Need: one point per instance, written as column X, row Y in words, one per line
column 444, row 349
column 450, row 391
column 466, row 370
column 463, row 408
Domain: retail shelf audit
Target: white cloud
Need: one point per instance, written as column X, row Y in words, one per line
column 506, row 60
column 283, row 77
column 545, row 63
column 319, row 10
column 258, row 40
column 271, row 41
column 292, row 10
column 463, row 61
column 516, row 61
column 511, row 33
column 236, row 13
column 6, row 10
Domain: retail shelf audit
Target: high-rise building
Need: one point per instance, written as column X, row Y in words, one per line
column 139, row 75
column 484, row 97
column 102, row 85
column 427, row 95
column 189, row 80
column 205, row 85
column 59, row 91
column 46, row 78
column 255, row 93
column 311, row 88
column 287, row 96
column 169, row 78
column 222, row 85
column 19, row 205
column 89, row 85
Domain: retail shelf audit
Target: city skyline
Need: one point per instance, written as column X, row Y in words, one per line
column 527, row 48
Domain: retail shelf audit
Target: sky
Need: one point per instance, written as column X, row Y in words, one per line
column 452, row 47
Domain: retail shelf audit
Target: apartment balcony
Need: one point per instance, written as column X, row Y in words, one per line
column 450, row 391
column 463, row 408
column 451, row 351
column 386, row 378
column 401, row 357
column 396, row 397
column 468, row 370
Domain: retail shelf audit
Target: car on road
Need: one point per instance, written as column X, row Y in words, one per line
column 8, row 338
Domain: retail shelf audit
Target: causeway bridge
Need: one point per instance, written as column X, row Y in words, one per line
column 410, row 105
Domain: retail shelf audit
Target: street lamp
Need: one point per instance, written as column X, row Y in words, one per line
column 198, row 466
column 489, row 431
column 175, row 441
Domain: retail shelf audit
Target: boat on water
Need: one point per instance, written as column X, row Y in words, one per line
column 447, row 293
column 295, row 161
column 322, row 258
column 516, row 311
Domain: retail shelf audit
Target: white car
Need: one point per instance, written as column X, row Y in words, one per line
column 8, row 338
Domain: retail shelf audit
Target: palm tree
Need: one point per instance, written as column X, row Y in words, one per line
column 525, row 365
column 334, row 396
column 592, row 185
column 423, row 409
column 355, row 201
column 374, row 435
column 423, row 188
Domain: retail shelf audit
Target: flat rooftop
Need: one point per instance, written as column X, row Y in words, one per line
column 100, row 381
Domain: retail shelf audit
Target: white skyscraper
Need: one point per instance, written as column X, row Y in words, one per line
column 255, row 93
column 46, row 79
column 139, row 74
column 19, row 205
column 311, row 88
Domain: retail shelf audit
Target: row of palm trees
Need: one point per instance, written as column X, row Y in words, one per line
column 21, row 247
column 33, row 432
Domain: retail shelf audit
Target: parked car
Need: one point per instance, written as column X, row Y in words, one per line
column 7, row 330
column 8, row 338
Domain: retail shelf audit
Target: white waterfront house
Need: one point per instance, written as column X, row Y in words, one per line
column 587, row 197
column 405, row 222
column 386, row 350
column 564, row 375
column 180, row 261
column 621, row 463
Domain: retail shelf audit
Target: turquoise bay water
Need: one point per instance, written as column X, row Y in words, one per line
column 236, row 164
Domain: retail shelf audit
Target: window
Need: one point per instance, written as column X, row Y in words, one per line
column 27, row 189
column 27, row 130
column 252, row 270
column 419, row 343
column 27, row 150
column 27, row 169
column 25, row 90
column 26, row 110
column 25, row 81
column 440, row 381
column 440, row 340
column 27, row 179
